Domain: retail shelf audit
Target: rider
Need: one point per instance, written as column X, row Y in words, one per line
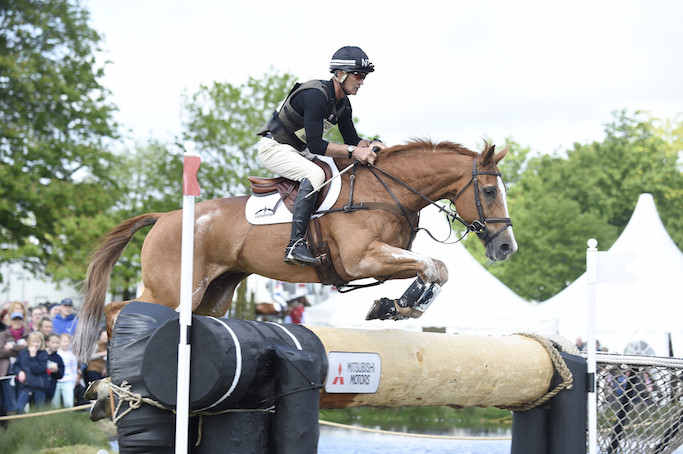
column 294, row 136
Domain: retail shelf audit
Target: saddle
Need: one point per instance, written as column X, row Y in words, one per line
column 287, row 188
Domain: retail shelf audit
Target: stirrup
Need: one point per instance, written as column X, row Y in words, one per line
column 303, row 258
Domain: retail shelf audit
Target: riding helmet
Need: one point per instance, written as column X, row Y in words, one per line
column 351, row 59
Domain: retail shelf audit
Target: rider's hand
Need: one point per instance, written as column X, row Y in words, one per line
column 364, row 155
column 372, row 144
column 378, row 144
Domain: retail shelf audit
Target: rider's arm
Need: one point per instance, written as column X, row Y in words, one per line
column 362, row 150
column 314, row 106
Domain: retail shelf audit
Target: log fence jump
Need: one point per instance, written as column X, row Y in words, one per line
column 258, row 386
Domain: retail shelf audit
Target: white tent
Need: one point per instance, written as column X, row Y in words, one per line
column 648, row 309
column 472, row 301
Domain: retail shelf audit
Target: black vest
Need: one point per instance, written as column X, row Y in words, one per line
column 287, row 126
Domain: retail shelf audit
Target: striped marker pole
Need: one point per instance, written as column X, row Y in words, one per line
column 191, row 189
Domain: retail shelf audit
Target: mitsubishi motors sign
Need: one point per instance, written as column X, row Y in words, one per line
column 351, row 372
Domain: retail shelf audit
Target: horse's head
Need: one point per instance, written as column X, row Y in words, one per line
column 482, row 204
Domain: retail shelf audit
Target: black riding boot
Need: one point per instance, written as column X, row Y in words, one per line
column 297, row 252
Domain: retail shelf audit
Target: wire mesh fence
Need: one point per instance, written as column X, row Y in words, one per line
column 640, row 404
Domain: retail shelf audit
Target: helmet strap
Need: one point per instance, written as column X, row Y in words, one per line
column 341, row 80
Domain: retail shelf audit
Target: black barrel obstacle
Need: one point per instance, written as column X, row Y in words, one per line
column 241, row 371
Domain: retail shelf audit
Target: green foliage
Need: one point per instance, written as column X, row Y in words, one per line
column 559, row 202
column 421, row 419
column 152, row 174
column 515, row 162
column 33, row 435
column 61, row 189
column 54, row 126
column 222, row 119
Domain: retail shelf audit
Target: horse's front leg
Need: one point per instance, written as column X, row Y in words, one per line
column 431, row 274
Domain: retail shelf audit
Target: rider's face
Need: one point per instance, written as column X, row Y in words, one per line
column 353, row 82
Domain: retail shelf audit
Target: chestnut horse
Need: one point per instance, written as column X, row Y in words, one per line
column 363, row 243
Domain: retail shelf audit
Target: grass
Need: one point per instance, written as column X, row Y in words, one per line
column 74, row 433
column 64, row 433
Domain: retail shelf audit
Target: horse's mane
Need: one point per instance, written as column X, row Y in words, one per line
column 425, row 146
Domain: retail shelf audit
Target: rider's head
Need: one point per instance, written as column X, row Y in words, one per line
column 350, row 60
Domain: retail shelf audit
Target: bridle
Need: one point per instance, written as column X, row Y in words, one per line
column 478, row 226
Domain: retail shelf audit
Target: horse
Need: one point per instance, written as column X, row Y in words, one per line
column 280, row 309
column 368, row 231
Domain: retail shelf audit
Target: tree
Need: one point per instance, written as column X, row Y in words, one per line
column 551, row 231
column 55, row 123
column 561, row 201
column 153, row 183
column 222, row 119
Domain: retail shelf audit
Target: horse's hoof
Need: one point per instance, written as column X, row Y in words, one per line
column 97, row 389
column 415, row 314
column 100, row 410
column 91, row 392
column 384, row 309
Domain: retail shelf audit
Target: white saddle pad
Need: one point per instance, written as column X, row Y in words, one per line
column 265, row 209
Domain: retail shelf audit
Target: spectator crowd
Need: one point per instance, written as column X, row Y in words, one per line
column 37, row 367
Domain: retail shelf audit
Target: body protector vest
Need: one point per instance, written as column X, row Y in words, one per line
column 287, row 125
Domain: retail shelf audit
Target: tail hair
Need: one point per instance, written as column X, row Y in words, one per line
column 96, row 283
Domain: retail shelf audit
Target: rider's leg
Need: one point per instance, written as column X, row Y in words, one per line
column 286, row 161
column 297, row 252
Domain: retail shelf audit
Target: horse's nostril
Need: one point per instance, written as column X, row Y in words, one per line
column 505, row 247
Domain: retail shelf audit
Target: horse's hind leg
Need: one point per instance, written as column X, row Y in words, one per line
column 111, row 311
column 218, row 295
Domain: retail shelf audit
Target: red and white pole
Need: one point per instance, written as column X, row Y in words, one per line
column 190, row 191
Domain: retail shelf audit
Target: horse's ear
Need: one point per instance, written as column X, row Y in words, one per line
column 487, row 154
column 501, row 154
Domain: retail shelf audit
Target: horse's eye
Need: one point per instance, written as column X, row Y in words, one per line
column 490, row 191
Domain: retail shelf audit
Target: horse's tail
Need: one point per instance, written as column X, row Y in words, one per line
column 97, row 279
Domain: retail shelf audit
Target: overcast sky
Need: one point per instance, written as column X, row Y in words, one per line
column 545, row 73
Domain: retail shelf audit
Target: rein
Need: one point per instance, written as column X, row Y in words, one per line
column 478, row 226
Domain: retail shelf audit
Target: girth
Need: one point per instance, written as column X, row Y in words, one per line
column 319, row 248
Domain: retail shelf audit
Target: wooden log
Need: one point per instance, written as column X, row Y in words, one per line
column 429, row 369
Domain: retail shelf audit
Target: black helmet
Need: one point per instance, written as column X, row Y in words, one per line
column 351, row 59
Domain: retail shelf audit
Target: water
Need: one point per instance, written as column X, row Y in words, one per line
column 344, row 441
column 338, row 441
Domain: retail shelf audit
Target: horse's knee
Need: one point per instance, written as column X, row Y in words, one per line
column 442, row 271
column 434, row 271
